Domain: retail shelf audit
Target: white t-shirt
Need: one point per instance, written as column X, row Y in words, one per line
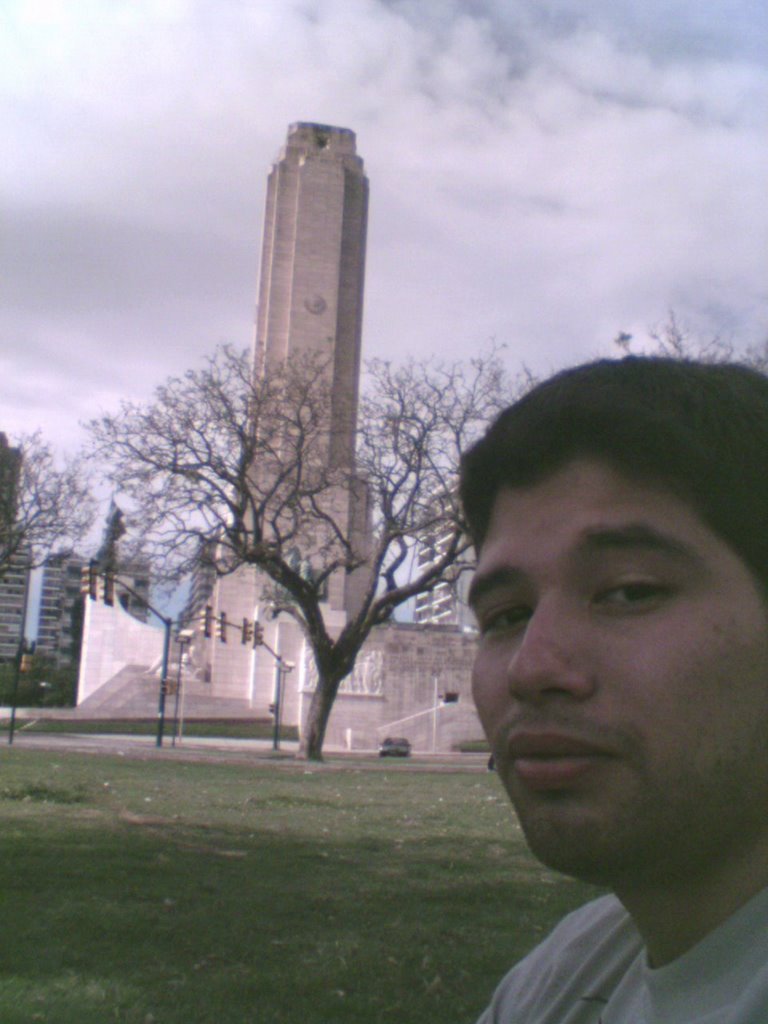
column 593, row 970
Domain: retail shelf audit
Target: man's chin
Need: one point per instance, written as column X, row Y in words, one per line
column 581, row 848
column 581, row 865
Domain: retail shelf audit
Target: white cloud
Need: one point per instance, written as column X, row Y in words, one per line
column 545, row 173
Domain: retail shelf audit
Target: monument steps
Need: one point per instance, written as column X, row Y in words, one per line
column 134, row 692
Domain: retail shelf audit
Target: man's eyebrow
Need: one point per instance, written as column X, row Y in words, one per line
column 624, row 537
column 638, row 536
column 504, row 576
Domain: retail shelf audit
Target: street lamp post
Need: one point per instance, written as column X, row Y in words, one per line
column 182, row 639
column 21, row 651
column 282, row 668
column 167, row 623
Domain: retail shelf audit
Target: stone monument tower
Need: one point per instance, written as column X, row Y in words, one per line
column 313, row 264
column 310, row 301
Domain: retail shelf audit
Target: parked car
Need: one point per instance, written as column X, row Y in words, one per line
column 395, row 746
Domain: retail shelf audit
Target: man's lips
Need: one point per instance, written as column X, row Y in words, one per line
column 551, row 744
column 551, row 760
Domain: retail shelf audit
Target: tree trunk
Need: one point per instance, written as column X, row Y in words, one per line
column 311, row 746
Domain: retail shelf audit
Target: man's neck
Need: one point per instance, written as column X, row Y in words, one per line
column 675, row 914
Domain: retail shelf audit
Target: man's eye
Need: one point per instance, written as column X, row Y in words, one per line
column 632, row 595
column 503, row 619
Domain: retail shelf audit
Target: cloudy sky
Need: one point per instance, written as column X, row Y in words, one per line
column 545, row 173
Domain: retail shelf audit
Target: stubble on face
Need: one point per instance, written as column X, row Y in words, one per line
column 679, row 713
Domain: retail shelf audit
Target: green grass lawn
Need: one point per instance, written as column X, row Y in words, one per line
column 172, row 892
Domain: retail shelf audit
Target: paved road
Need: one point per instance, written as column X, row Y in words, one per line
column 199, row 748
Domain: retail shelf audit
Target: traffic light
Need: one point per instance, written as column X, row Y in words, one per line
column 207, row 621
column 222, row 624
column 109, row 588
column 258, row 634
column 246, row 632
column 89, row 581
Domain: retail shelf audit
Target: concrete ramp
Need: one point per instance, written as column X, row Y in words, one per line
column 131, row 693
column 134, row 691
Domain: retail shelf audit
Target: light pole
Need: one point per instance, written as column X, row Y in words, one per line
column 167, row 623
column 20, row 654
column 282, row 668
column 183, row 638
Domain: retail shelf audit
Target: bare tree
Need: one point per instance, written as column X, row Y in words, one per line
column 676, row 341
column 45, row 505
column 243, row 468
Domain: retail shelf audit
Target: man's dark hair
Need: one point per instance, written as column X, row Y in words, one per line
column 700, row 430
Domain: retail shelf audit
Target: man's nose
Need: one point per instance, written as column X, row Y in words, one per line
column 551, row 657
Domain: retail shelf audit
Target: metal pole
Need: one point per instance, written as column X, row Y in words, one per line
column 19, row 655
column 178, row 711
column 181, row 716
column 176, row 696
column 163, row 682
column 278, row 698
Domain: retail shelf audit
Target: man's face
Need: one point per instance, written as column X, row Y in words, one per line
column 622, row 679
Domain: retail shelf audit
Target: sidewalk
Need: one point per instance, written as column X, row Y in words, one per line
column 146, row 746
